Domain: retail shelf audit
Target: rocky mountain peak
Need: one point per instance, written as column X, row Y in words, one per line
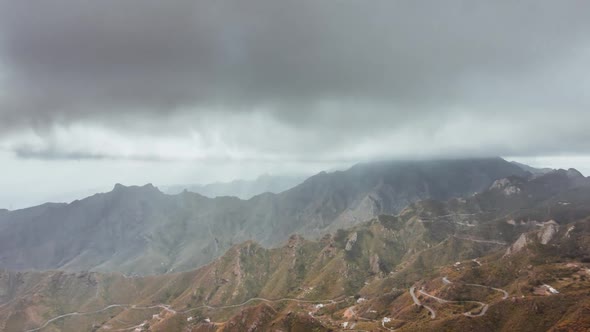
column 573, row 173
column 518, row 245
column 544, row 235
column 506, row 185
column 145, row 188
column 118, row 187
column 189, row 230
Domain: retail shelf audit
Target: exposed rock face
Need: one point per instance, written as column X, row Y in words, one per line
column 351, row 241
column 569, row 230
column 365, row 209
column 374, row 264
column 548, row 231
column 518, row 245
column 500, row 184
column 507, row 187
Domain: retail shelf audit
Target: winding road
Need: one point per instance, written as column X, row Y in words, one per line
column 169, row 309
column 126, row 306
column 446, row 281
column 483, row 306
column 418, row 303
column 505, row 293
column 501, row 243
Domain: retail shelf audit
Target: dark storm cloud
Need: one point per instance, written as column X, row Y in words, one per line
column 342, row 67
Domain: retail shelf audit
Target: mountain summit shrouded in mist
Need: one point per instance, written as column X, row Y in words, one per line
column 427, row 164
column 489, row 260
column 244, row 189
column 141, row 230
column 179, row 93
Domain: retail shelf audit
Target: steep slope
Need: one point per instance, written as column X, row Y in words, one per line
column 459, row 266
column 298, row 276
column 533, row 170
column 129, row 229
column 140, row 230
column 544, row 286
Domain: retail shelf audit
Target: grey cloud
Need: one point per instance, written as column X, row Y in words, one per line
column 29, row 152
column 337, row 69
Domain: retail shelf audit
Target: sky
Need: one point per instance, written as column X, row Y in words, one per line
column 94, row 93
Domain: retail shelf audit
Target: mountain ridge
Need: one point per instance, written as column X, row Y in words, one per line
column 533, row 170
column 360, row 275
column 243, row 189
column 141, row 230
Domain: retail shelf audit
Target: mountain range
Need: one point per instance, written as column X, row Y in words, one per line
column 141, row 231
column 515, row 256
column 243, row 189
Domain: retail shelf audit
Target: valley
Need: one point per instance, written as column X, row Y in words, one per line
column 294, row 166
column 480, row 262
column 141, row 231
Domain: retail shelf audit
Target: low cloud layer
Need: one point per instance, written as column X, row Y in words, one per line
column 285, row 81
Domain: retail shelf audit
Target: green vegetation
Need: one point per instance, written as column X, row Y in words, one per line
column 367, row 270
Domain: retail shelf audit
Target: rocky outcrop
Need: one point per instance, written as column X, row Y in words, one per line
column 548, row 231
column 351, row 241
column 518, row 245
column 544, row 235
column 374, row 264
column 506, row 186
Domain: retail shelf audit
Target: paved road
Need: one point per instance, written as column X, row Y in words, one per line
column 505, row 293
column 77, row 314
column 414, row 298
column 130, row 328
column 417, row 302
column 127, row 306
column 483, row 311
column 262, row 300
column 481, row 241
column 484, row 306
column 438, row 299
column 168, row 308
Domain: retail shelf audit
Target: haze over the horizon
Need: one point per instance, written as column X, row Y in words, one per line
column 98, row 92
